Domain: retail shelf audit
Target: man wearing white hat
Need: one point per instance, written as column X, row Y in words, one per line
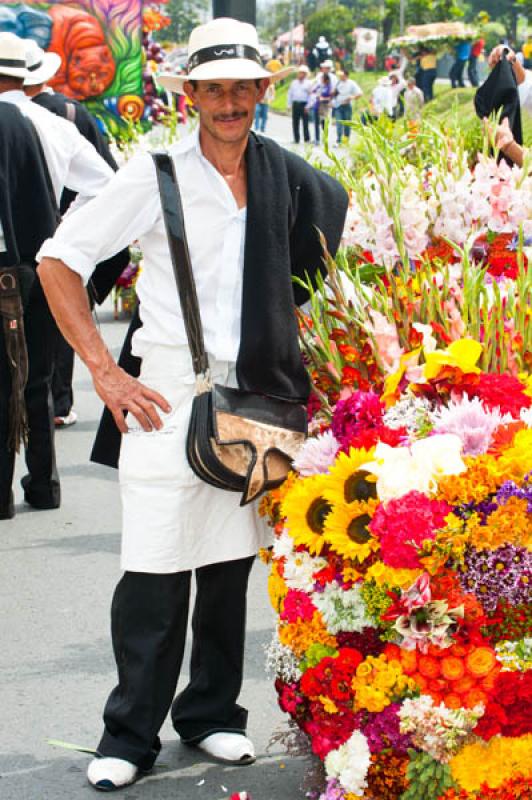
column 251, row 211
column 41, row 68
column 298, row 95
column 71, row 161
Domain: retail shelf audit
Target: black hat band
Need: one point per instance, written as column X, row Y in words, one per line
column 33, row 67
column 13, row 62
column 221, row 53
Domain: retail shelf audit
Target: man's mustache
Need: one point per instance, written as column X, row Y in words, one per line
column 229, row 117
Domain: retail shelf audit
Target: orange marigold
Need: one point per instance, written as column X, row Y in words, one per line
column 480, row 661
column 429, row 666
column 452, row 668
column 299, row 636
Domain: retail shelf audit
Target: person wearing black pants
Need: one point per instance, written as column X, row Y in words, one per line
column 149, row 665
column 300, row 115
column 298, row 95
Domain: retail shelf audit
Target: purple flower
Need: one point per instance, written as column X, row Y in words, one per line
column 493, row 575
column 511, row 489
column 382, row 731
column 471, row 422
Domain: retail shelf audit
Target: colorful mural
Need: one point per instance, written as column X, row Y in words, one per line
column 100, row 44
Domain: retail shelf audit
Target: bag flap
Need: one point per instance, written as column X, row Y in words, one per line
column 260, row 408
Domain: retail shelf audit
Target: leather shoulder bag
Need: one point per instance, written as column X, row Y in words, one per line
column 237, row 440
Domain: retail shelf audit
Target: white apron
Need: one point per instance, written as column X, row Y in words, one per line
column 173, row 521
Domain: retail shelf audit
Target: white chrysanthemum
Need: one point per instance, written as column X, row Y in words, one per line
column 283, row 545
column 342, row 609
column 350, row 763
column 471, row 421
column 410, row 412
column 317, row 454
column 299, row 570
column 281, row 661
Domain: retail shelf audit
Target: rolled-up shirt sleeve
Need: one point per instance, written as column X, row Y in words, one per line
column 525, row 92
column 125, row 209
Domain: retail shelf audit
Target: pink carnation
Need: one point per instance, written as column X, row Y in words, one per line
column 402, row 525
column 297, row 606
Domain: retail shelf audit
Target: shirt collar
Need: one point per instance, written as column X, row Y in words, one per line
column 14, row 96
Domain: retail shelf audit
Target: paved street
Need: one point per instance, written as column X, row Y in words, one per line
column 57, row 573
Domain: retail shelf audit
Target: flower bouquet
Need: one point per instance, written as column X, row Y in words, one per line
column 402, row 560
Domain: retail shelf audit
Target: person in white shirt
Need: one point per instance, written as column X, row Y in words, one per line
column 298, row 95
column 346, row 91
column 71, row 162
column 382, row 100
column 252, row 212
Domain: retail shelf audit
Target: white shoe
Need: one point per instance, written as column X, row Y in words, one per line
column 234, row 748
column 63, row 422
column 108, row 774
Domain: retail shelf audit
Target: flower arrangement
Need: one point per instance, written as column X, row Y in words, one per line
column 124, row 291
column 402, row 559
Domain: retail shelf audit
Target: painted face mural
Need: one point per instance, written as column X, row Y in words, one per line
column 100, row 44
column 88, row 66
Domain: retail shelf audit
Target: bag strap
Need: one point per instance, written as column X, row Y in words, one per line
column 186, row 286
column 70, row 111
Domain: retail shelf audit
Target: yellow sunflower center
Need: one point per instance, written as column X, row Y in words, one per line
column 358, row 487
column 358, row 529
column 317, row 511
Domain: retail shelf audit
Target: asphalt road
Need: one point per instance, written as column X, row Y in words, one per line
column 57, row 574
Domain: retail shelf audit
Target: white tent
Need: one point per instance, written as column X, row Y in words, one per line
column 295, row 36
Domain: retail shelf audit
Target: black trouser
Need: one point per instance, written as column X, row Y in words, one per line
column 149, row 623
column 427, row 84
column 299, row 115
column 457, row 74
column 41, row 486
column 472, row 71
column 62, row 376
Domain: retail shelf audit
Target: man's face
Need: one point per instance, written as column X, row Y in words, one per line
column 226, row 107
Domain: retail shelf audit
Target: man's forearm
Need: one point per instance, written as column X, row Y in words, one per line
column 69, row 304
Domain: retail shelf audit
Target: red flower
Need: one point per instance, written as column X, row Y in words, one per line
column 503, row 391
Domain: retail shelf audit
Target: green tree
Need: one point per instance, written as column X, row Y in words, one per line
column 185, row 15
column 335, row 22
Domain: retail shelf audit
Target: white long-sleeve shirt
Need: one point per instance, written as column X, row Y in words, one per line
column 299, row 91
column 525, row 92
column 129, row 208
column 72, row 160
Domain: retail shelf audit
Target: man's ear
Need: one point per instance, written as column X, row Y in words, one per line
column 265, row 82
column 189, row 90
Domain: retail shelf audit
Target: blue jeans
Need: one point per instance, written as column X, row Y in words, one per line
column 343, row 114
column 261, row 116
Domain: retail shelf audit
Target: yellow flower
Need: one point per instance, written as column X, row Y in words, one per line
column 346, row 530
column 492, row 762
column 392, row 577
column 300, row 635
column 305, row 509
column 364, row 669
column 516, row 461
column 350, row 574
column 509, row 524
column 346, row 481
column 462, row 354
column 391, row 391
column 328, row 704
column 484, row 475
column 277, row 588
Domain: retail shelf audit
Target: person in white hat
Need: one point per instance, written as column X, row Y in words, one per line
column 41, row 68
column 298, row 95
column 251, row 212
column 70, row 161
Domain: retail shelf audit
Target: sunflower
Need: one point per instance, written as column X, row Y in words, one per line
column 305, row 509
column 347, row 482
column 346, row 530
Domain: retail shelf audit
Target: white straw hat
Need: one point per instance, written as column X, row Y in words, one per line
column 41, row 66
column 12, row 56
column 223, row 49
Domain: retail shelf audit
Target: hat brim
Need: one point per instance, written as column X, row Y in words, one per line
column 50, row 65
column 232, row 69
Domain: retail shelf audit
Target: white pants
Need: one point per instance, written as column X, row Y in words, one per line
column 173, row 521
